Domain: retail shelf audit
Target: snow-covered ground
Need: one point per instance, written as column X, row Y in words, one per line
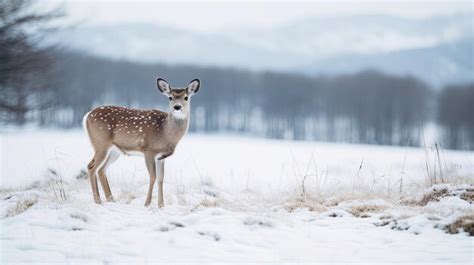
column 237, row 199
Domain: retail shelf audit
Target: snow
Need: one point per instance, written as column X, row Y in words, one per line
column 109, row 234
column 231, row 199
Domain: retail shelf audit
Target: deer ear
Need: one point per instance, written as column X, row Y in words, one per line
column 193, row 86
column 163, row 86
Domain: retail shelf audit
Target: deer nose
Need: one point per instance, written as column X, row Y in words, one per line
column 177, row 107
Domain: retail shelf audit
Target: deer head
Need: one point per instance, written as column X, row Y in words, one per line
column 179, row 98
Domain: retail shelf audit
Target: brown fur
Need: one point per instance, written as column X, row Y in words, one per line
column 134, row 130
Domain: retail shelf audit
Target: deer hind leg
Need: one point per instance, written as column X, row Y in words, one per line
column 151, row 166
column 113, row 156
column 161, row 175
column 96, row 163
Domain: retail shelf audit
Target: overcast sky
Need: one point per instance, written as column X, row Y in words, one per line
column 213, row 16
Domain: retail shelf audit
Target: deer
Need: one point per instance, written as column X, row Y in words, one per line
column 154, row 134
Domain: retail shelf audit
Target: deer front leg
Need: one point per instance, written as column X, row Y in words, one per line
column 161, row 175
column 151, row 166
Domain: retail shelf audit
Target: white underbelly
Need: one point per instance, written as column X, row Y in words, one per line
column 115, row 149
column 134, row 153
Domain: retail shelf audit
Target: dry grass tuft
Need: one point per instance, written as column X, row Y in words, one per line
column 21, row 206
column 465, row 222
column 384, row 220
column 434, row 196
column 409, row 202
column 181, row 193
column 304, row 202
column 468, row 195
column 57, row 185
column 205, row 202
column 363, row 211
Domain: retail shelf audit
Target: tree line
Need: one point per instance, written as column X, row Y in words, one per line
column 367, row 107
column 456, row 116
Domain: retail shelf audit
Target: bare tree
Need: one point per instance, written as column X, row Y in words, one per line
column 24, row 66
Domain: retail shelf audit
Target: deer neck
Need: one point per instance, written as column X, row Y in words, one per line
column 177, row 125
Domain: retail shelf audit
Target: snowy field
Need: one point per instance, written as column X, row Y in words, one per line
column 237, row 199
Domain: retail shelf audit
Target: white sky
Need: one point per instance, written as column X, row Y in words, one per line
column 214, row 16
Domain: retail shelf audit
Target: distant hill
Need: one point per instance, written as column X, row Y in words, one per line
column 147, row 43
column 436, row 49
column 438, row 65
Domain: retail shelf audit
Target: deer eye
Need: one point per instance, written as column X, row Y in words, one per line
column 185, row 98
column 170, row 98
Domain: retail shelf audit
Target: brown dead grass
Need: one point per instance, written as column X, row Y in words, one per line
column 409, row 202
column 304, row 202
column 434, row 196
column 465, row 222
column 468, row 195
column 363, row 211
column 21, row 206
